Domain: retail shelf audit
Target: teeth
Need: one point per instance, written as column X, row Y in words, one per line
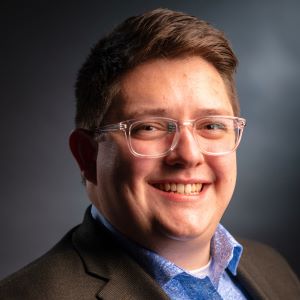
column 180, row 188
column 173, row 187
column 193, row 188
column 188, row 189
column 167, row 187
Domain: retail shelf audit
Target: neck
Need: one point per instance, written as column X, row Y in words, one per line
column 188, row 255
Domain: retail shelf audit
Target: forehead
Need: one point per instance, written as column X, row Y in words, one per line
column 178, row 88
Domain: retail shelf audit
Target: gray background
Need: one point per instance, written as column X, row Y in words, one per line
column 43, row 43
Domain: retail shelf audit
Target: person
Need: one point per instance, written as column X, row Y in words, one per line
column 157, row 128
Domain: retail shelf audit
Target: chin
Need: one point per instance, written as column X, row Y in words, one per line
column 187, row 232
column 181, row 237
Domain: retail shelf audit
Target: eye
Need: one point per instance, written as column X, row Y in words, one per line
column 152, row 129
column 214, row 126
column 146, row 127
column 211, row 125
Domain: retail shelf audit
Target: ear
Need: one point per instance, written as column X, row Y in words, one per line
column 84, row 149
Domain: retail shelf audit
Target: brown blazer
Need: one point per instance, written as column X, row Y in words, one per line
column 87, row 265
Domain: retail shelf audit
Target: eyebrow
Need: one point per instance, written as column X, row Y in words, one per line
column 162, row 112
column 213, row 111
column 147, row 112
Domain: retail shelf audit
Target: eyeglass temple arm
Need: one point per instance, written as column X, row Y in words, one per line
column 111, row 127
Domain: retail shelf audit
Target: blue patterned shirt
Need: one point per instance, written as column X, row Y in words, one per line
column 180, row 284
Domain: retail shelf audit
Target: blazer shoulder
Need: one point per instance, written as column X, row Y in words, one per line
column 60, row 271
column 263, row 255
column 86, row 264
column 264, row 268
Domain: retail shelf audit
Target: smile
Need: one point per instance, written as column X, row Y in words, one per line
column 180, row 188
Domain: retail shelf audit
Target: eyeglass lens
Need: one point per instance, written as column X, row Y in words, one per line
column 157, row 136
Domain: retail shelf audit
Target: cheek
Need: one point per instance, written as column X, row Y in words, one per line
column 143, row 167
column 116, row 163
column 224, row 169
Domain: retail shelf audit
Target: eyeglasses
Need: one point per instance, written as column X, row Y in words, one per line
column 157, row 136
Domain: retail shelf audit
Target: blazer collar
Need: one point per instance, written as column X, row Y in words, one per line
column 254, row 285
column 103, row 258
column 252, row 275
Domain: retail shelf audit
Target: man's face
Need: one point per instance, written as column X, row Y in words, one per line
column 127, row 186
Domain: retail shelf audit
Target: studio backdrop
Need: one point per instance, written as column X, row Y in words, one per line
column 43, row 44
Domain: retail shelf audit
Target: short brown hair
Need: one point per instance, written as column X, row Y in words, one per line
column 160, row 33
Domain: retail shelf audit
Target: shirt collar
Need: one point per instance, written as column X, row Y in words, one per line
column 225, row 253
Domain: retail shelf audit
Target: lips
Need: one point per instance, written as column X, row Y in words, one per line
column 180, row 188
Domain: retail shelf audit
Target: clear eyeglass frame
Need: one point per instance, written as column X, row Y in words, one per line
column 127, row 126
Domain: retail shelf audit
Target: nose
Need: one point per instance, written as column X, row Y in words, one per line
column 187, row 153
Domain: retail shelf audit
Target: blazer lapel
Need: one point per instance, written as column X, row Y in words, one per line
column 251, row 282
column 262, row 273
column 131, row 282
column 120, row 276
